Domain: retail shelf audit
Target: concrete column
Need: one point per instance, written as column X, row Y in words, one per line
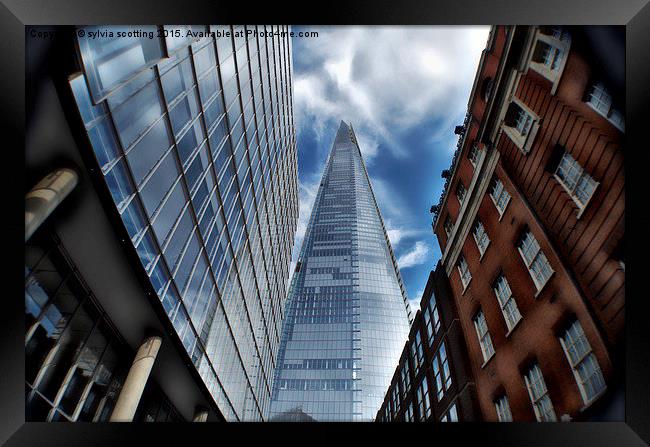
column 136, row 380
column 200, row 414
column 46, row 196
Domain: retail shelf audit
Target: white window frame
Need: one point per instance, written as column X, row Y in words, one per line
column 496, row 180
column 581, row 174
column 448, row 225
column 464, row 272
column 599, row 99
column 484, row 337
column 524, row 141
column 502, row 407
column 578, row 339
column 538, row 255
column 507, row 302
column 605, row 98
column 461, row 192
column 480, row 237
column 474, row 154
column 538, row 393
column 561, row 41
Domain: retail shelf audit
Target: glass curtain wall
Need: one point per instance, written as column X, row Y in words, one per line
column 192, row 129
column 347, row 312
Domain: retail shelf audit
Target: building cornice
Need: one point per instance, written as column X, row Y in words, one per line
column 461, row 143
column 469, row 210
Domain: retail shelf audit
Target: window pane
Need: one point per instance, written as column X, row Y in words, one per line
column 146, row 153
column 140, row 111
column 110, row 60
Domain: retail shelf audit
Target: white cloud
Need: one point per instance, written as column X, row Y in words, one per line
column 384, row 79
column 368, row 144
column 388, row 200
column 416, row 256
column 414, row 300
column 397, row 234
column 396, row 219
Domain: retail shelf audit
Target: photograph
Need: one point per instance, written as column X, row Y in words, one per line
column 346, row 223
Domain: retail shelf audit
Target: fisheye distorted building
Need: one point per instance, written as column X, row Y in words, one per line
column 433, row 381
column 156, row 291
column 531, row 228
column 347, row 314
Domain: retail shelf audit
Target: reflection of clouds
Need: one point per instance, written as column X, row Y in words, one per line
column 415, row 256
column 307, row 191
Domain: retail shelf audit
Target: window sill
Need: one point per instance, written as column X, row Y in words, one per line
column 524, row 142
column 505, row 208
column 580, row 207
column 485, row 363
column 466, row 287
column 593, row 400
column 541, row 289
column 606, row 116
column 518, row 139
column 548, row 73
column 480, row 258
column 514, row 327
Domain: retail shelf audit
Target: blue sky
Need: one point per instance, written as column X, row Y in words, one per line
column 403, row 89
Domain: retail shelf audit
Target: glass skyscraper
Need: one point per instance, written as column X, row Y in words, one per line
column 192, row 129
column 347, row 314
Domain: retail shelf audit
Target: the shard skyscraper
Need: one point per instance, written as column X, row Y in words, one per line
column 347, row 314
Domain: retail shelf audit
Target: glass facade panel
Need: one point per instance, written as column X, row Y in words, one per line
column 346, row 302
column 111, row 55
column 177, row 166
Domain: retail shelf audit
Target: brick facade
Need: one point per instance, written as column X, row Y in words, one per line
column 457, row 392
column 581, row 242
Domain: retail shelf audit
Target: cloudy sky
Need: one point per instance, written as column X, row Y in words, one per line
column 403, row 89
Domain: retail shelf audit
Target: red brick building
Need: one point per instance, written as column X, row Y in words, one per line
column 531, row 225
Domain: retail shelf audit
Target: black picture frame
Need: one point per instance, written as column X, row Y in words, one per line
column 633, row 14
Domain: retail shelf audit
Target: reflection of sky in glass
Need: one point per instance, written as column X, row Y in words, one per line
column 118, row 69
column 199, row 156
